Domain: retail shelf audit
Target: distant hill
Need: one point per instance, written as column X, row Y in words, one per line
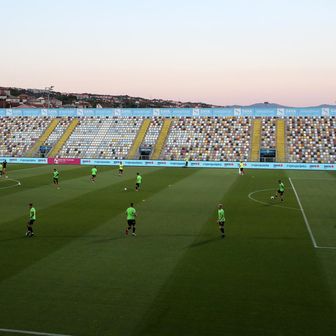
column 16, row 97
column 49, row 98
column 274, row 105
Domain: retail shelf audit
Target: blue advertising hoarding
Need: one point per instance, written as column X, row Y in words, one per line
column 192, row 164
column 174, row 112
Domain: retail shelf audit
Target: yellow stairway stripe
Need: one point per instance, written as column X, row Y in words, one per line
column 162, row 138
column 256, row 136
column 43, row 137
column 280, row 140
column 63, row 139
column 139, row 138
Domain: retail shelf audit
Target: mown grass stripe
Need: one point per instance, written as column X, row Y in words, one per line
column 60, row 223
column 247, row 283
column 14, row 205
column 16, row 167
column 45, row 178
column 129, row 269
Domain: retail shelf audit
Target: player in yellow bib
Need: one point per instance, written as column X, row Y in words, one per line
column 121, row 168
column 241, row 168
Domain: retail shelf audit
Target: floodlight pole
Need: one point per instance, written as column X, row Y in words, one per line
column 49, row 89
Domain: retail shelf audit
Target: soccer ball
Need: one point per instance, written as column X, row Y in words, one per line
column 125, row 189
column 272, row 197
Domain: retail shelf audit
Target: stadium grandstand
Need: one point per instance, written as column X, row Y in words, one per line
column 290, row 139
column 198, row 138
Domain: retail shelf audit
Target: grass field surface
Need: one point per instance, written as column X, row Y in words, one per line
column 80, row 275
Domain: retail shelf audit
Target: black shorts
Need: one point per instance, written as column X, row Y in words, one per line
column 121, row 170
column 31, row 221
column 56, row 180
column 93, row 176
column 221, row 223
column 280, row 192
column 131, row 222
column 137, row 184
column 241, row 169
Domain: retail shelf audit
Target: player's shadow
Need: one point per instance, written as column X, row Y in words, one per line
column 140, row 236
column 12, row 239
column 275, row 238
column 205, row 242
column 105, row 240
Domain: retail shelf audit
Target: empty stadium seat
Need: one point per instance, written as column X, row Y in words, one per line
column 308, row 139
column 268, row 133
column 99, row 137
column 58, row 131
column 153, row 131
column 18, row 134
column 207, row 138
column 311, row 139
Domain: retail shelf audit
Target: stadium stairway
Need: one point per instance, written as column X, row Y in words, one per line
column 280, row 141
column 54, row 151
column 256, row 136
column 162, row 138
column 139, row 139
column 43, row 137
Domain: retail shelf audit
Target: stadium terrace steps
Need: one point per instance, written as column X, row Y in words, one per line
column 64, row 138
column 53, row 124
column 162, row 138
column 280, row 140
column 139, row 138
column 256, row 137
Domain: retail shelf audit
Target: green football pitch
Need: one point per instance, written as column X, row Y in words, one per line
column 273, row 274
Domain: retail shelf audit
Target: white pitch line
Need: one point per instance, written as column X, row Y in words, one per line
column 11, row 186
column 313, row 179
column 327, row 247
column 265, row 203
column 304, row 215
column 28, row 332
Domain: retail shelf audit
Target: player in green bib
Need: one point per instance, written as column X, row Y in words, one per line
column 121, row 168
column 130, row 215
column 94, row 174
column 138, row 182
column 281, row 190
column 56, row 178
column 221, row 219
column 32, row 219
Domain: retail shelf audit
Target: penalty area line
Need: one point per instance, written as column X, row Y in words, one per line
column 307, row 223
column 28, row 332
